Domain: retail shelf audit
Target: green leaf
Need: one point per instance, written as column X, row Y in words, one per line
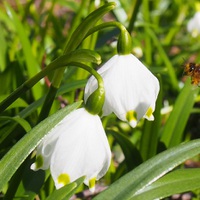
column 31, row 62
column 67, row 191
column 18, row 103
column 131, row 153
column 89, row 22
column 32, row 107
column 173, row 130
column 3, row 49
column 62, row 192
column 151, row 129
column 26, row 126
column 165, row 58
column 147, row 173
column 178, row 181
column 74, row 58
column 19, row 152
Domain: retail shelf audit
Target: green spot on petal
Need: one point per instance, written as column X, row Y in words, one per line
column 131, row 116
column 63, row 179
column 149, row 112
column 92, row 184
column 39, row 161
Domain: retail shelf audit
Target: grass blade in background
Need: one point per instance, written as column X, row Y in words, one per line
column 175, row 182
column 148, row 172
column 173, row 130
column 150, row 133
column 131, row 153
column 32, row 64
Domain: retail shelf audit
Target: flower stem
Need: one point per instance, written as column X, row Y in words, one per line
column 106, row 25
column 76, row 38
column 61, row 62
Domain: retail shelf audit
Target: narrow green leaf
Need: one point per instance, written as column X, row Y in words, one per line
column 32, row 107
column 19, row 152
column 18, row 103
column 32, row 64
column 175, row 182
column 149, row 138
column 131, row 153
column 79, row 182
column 25, row 125
column 164, row 56
column 62, row 192
column 81, row 31
column 3, row 49
column 173, row 130
column 74, row 58
column 67, row 191
column 144, row 175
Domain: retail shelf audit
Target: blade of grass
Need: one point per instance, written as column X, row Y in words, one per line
column 149, row 138
column 62, row 192
column 175, row 182
column 31, row 62
column 144, row 175
column 131, row 153
column 173, row 130
column 67, row 191
column 164, row 56
column 26, row 126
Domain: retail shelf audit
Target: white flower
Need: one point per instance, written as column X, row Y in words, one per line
column 76, row 147
column 193, row 25
column 130, row 89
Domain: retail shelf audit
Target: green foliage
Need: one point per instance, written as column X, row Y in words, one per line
column 52, row 43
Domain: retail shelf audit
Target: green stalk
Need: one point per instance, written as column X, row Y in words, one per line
column 77, row 37
column 95, row 101
column 61, row 62
column 106, row 25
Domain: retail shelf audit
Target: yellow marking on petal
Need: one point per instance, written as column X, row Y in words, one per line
column 131, row 116
column 149, row 112
column 92, row 182
column 63, row 179
column 39, row 162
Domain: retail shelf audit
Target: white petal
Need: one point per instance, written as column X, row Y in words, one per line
column 193, row 25
column 47, row 145
column 81, row 150
column 129, row 86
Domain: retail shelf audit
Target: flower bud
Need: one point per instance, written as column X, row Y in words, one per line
column 95, row 101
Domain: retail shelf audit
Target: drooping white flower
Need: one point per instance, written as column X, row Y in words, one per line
column 193, row 25
column 131, row 89
column 76, row 147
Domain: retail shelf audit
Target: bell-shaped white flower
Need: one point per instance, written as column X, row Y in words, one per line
column 193, row 25
column 131, row 89
column 75, row 147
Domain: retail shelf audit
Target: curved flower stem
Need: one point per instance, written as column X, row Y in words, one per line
column 76, row 38
column 61, row 62
column 124, row 45
column 95, row 101
column 59, row 73
column 91, row 71
column 106, row 25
